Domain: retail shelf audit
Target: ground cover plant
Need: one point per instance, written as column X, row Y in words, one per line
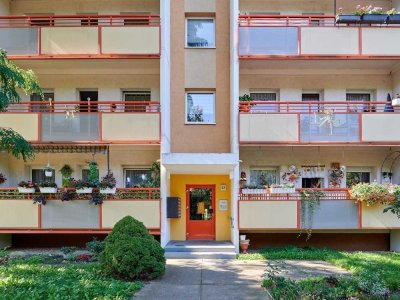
column 375, row 274
column 40, row 277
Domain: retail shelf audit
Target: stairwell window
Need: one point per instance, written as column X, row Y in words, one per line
column 200, row 108
column 200, row 33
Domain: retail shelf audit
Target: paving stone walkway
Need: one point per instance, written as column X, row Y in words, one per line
column 207, row 279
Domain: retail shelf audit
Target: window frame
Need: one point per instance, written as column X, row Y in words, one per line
column 200, row 123
column 186, row 32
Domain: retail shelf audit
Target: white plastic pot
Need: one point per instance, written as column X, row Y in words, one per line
column 108, row 191
column 48, row 190
column 23, row 190
column 242, row 237
column 85, row 190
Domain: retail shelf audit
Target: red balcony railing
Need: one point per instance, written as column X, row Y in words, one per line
column 85, row 107
column 316, row 107
column 331, row 194
column 294, row 20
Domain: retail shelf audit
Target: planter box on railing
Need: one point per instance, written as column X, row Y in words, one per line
column 393, row 19
column 374, row 19
column 23, row 190
column 108, row 191
column 84, row 191
column 282, row 190
column 48, row 190
column 348, row 19
column 254, row 191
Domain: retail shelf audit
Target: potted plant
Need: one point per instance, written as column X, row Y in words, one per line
column 393, row 17
column 243, row 179
column 66, row 172
column 254, row 190
column 47, row 187
column 373, row 15
column 108, row 184
column 26, row 187
column 396, row 100
column 372, row 193
column 2, row 178
column 244, row 245
column 286, row 188
column 342, row 18
column 82, row 186
column 244, row 103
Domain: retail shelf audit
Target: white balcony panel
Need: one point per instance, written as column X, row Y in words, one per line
column 381, row 41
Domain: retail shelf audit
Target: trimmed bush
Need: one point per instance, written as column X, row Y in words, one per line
column 132, row 253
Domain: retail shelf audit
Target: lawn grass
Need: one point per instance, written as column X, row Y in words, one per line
column 32, row 279
column 386, row 264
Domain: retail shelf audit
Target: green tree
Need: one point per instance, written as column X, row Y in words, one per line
column 13, row 78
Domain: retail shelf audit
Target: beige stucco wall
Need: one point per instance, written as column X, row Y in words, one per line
column 269, row 128
column 200, row 6
column 19, row 7
column 4, row 7
column 380, row 127
column 130, row 40
column 267, row 214
column 329, row 40
column 380, row 41
column 373, row 217
column 305, row 6
column 147, row 211
column 121, row 157
column 131, row 127
column 69, row 40
column 18, row 213
column 333, row 87
column 198, row 74
column 25, row 124
column 200, row 138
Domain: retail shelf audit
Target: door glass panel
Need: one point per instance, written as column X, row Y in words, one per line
column 201, row 204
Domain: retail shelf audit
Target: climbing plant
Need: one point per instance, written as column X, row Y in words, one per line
column 93, row 179
column 11, row 79
column 309, row 202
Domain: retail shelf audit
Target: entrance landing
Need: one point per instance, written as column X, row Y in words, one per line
column 200, row 249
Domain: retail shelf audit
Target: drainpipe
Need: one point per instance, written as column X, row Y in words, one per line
column 334, row 7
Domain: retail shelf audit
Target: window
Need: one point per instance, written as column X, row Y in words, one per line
column 353, row 178
column 47, row 96
column 359, row 97
column 200, row 33
column 263, row 177
column 38, row 176
column 200, row 108
column 310, row 97
column 136, row 96
column 85, row 174
column 264, row 97
column 136, row 177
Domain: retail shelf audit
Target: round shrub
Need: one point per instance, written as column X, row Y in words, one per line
column 131, row 253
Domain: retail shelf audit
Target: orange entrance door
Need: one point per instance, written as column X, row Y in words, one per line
column 200, row 212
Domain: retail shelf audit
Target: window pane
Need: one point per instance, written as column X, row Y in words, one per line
column 136, row 96
column 38, row 176
column 200, row 33
column 136, row 178
column 353, row 178
column 262, row 177
column 200, row 108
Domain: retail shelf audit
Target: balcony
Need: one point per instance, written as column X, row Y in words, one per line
column 96, row 122
column 18, row 214
column 263, row 37
column 318, row 123
column 102, row 36
column 336, row 211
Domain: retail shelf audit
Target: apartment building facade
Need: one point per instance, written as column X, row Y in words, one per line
column 132, row 83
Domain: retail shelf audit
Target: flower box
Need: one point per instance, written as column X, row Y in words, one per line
column 393, row 19
column 24, row 190
column 48, row 190
column 254, row 191
column 282, row 190
column 108, row 191
column 396, row 102
column 86, row 190
column 348, row 19
column 374, row 18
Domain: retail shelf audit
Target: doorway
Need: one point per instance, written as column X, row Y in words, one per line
column 200, row 212
column 88, row 96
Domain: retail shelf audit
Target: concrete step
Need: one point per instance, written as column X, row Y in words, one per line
column 200, row 255
column 198, row 246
